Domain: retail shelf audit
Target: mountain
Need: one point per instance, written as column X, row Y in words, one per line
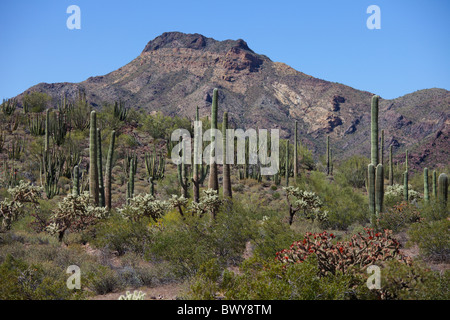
column 177, row 72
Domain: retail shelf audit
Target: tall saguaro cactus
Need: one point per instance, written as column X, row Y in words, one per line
column 443, row 189
column 213, row 182
column 371, row 191
column 47, row 130
column 426, row 193
column 227, row 193
column 93, row 167
column 287, row 163
column 379, row 188
column 405, row 186
column 434, row 184
column 382, row 147
column 108, row 170
column 374, row 130
column 183, row 173
column 199, row 171
column 295, row 150
column 101, row 185
column 328, row 156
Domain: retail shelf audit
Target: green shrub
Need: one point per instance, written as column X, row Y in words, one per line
column 433, row 239
column 352, row 172
column 398, row 217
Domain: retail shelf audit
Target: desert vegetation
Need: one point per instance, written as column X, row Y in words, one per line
column 96, row 188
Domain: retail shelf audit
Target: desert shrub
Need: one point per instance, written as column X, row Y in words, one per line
column 188, row 243
column 36, row 101
column 22, row 281
column 103, row 280
column 433, row 211
column 433, row 239
column 260, row 279
column 119, row 235
column 352, row 172
column 398, row 217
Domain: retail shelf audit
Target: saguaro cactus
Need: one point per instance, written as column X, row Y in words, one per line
column 443, row 189
column 108, row 170
column 379, row 188
column 130, row 186
column 93, row 167
column 287, row 163
column 47, row 130
column 199, row 170
column 426, row 194
column 371, row 191
column 405, row 186
column 295, row 150
column 155, row 166
column 382, row 147
column 101, row 185
column 227, row 193
column 374, row 130
column 76, row 181
column 183, row 174
column 434, row 184
column 213, row 182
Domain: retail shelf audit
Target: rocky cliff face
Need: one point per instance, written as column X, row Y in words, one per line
column 177, row 72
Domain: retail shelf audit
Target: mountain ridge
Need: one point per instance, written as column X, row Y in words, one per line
column 175, row 72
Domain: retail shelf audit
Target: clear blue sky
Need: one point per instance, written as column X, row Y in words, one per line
column 326, row 39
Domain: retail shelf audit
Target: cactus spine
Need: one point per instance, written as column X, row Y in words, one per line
column 379, row 188
column 213, row 182
column 374, row 130
column 76, row 181
column 93, row 167
column 227, row 193
column 108, row 170
column 426, row 194
column 101, row 186
column 295, row 150
column 391, row 167
column 443, row 189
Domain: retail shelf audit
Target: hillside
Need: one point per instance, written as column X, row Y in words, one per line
column 177, row 72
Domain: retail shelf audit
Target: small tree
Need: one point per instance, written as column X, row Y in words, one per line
column 307, row 201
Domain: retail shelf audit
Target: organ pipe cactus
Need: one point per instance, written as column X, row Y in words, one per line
column 213, row 182
column 108, row 171
column 101, row 186
column 93, row 167
column 426, row 194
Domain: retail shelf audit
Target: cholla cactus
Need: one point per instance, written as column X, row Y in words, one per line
column 136, row 295
column 74, row 213
column 178, row 202
column 361, row 251
column 11, row 210
column 307, row 201
column 143, row 205
column 394, row 193
column 209, row 203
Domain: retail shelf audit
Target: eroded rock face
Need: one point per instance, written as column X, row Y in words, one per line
column 177, row 72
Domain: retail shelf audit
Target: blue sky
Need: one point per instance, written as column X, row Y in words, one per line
column 326, row 39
